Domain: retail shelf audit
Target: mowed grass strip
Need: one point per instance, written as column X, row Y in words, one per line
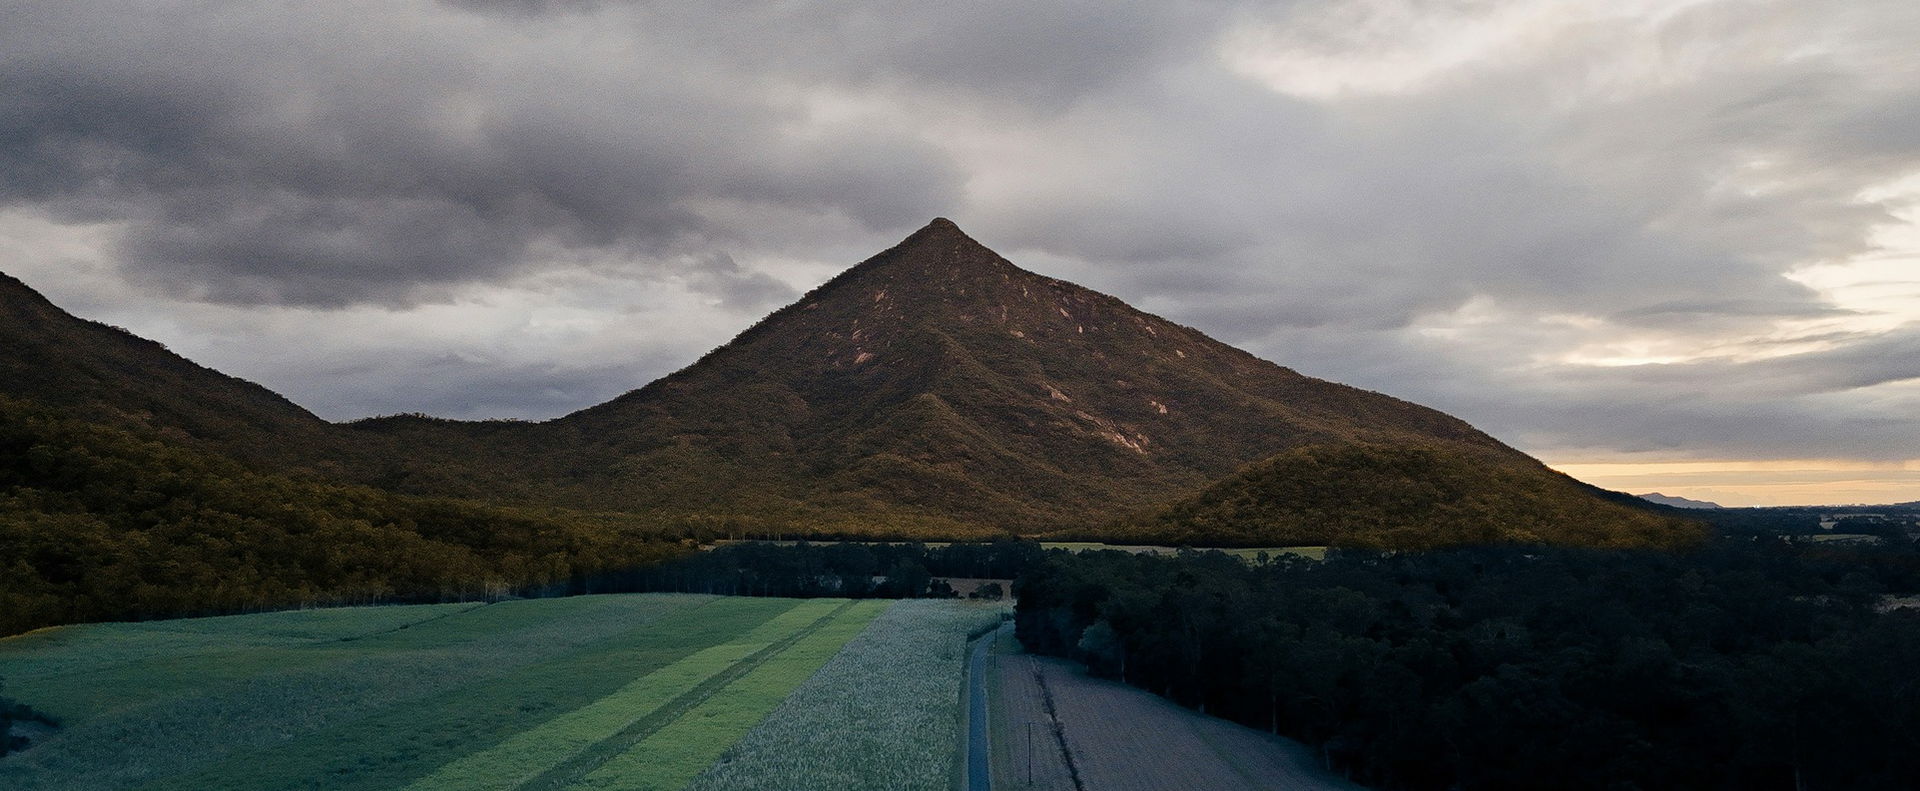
column 526, row 755
column 566, row 773
column 672, row 756
column 612, row 642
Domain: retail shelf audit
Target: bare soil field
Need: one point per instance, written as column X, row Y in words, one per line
column 1112, row 737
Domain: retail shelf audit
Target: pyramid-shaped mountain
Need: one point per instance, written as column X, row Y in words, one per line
column 933, row 391
column 936, row 388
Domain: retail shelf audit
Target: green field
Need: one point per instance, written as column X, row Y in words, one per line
column 623, row 691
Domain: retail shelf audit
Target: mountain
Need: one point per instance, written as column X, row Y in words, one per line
column 936, row 389
column 110, row 375
column 933, row 391
column 1676, row 501
column 938, row 386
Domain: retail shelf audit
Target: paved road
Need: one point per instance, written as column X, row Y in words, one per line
column 979, row 777
column 1127, row 739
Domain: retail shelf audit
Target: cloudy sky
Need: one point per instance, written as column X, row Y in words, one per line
column 1662, row 245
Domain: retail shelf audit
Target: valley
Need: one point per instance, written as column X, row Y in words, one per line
column 625, row 395
column 593, row 601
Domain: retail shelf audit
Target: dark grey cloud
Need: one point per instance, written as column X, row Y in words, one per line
column 527, row 7
column 280, row 248
column 734, row 286
column 1878, row 359
column 1832, row 403
column 1419, row 205
column 319, row 160
column 1009, row 55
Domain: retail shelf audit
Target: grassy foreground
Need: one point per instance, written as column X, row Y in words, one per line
column 629, row 691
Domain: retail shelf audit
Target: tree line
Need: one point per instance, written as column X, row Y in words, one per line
column 1745, row 664
column 805, row 570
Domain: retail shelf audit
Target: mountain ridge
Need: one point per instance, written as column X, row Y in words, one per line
column 1677, row 501
column 934, row 390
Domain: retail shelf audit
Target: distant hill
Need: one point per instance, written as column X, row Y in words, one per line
column 1676, row 501
column 1407, row 496
column 933, row 391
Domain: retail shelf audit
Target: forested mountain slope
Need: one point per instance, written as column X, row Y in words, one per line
column 99, row 522
column 933, row 391
column 1404, row 497
column 108, row 374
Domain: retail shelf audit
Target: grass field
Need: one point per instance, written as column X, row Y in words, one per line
column 632, row 691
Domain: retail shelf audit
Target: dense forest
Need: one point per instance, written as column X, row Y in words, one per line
column 1745, row 664
column 856, row 570
column 101, row 523
column 1883, row 521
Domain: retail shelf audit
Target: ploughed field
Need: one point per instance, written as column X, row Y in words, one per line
column 637, row 691
column 1057, row 729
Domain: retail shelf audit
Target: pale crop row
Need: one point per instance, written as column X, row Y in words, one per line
column 882, row 715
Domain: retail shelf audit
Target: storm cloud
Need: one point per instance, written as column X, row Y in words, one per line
column 1599, row 229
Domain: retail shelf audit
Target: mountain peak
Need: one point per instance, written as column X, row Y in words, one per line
column 937, row 265
column 939, row 247
column 940, row 231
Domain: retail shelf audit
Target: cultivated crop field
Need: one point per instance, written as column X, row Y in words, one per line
column 641, row 691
